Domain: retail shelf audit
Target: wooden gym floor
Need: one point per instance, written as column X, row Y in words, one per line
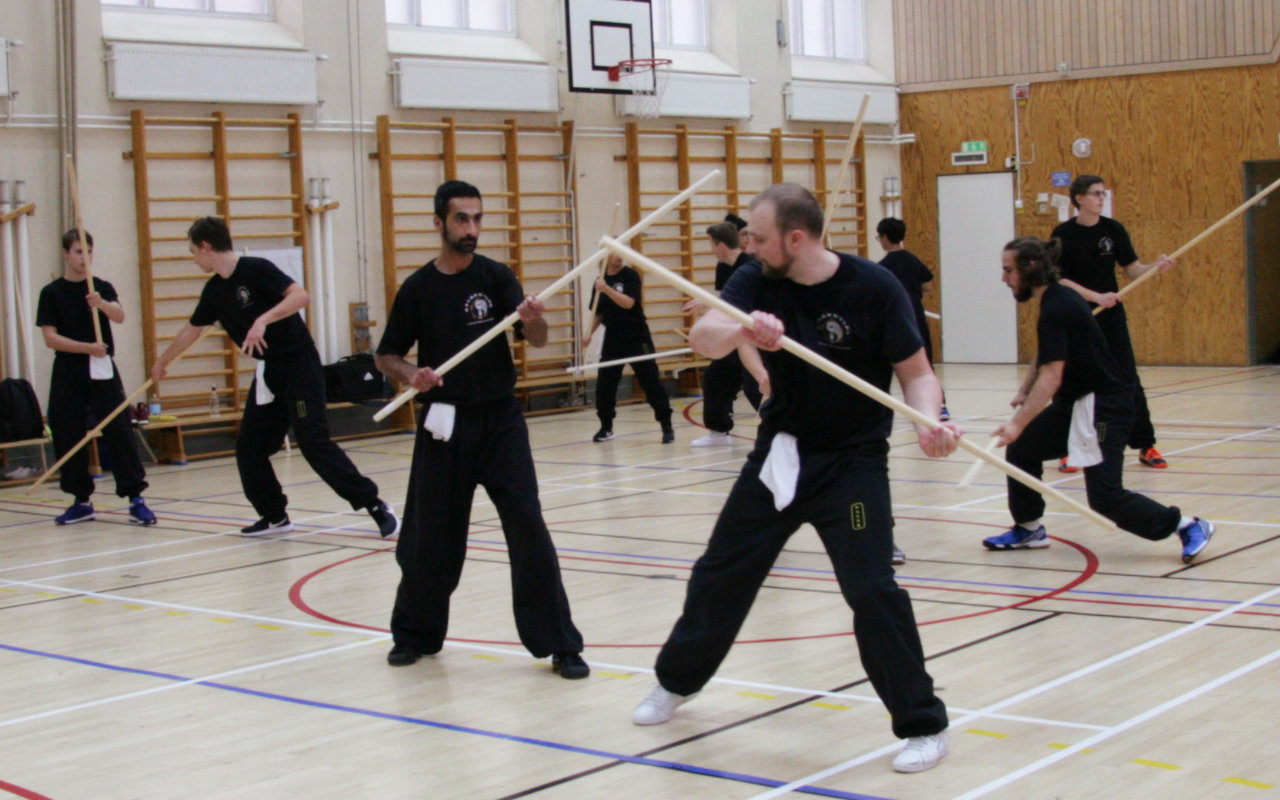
column 183, row 660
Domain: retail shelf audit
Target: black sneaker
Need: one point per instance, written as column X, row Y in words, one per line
column 603, row 435
column 570, row 665
column 265, row 526
column 402, row 655
column 668, row 434
column 385, row 516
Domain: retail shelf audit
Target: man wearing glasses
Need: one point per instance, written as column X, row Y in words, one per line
column 1092, row 247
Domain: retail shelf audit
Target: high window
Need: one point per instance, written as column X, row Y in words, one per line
column 680, row 23
column 257, row 8
column 829, row 29
column 488, row 16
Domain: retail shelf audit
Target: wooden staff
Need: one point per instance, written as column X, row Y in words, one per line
column 843, row 375
column 1240, row 209
column 84, row 248
column 620, row 361
column 833, row 199
column 604, row 263
column 115, row 413
column 559, row 284
column 977, row 464
column 932, row 315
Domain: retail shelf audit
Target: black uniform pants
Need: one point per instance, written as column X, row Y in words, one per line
column 1115, row 327
column 720, row 384
column 620, row 345
column 1046, row 438
column 845, row 496
column 297, row 381
column 71, row 392
column 490, row 448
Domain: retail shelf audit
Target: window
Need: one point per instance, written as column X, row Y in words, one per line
column 258, row 8
column 829, row 29
column 680, row 23
column 489, row 16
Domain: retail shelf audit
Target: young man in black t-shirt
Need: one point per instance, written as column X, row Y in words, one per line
column 1077, row 398
column 258, row 307
column 1092, row 247
column 471, row 433
column 821, row 457
column 725, row 376
column 626, row 334
column 912, row 273
column 64, row 315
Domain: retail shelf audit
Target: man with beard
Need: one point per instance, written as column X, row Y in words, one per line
column 821, row 458
column 1077, row 402
column 472, row 433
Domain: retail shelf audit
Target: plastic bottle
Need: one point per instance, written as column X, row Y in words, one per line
column 215, row 404
column 153, row 405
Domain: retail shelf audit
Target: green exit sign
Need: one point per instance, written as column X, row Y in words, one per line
column 973, row 147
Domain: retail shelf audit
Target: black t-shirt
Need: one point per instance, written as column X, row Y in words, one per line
column 725, row 271
column 1068, row 332
column 912, row 273
column 63, row 305
column 860, row 318
column 1091, row 253
column 441, row 314
column 254, row 287
column 616, row 319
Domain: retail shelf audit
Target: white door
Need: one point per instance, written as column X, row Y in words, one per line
column 979, row 315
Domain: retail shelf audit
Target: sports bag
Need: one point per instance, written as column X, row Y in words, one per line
column 355, row 379
column 20, row 416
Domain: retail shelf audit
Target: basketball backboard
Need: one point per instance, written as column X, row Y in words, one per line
column 600, row 34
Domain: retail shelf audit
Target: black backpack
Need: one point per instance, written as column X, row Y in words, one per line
column 20, row 417
column 355, row 379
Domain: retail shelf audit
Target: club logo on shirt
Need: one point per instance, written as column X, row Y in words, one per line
column 1106, row 246
column 478, row 308
column 617, row 287
column 242, row 294
column 833, row 330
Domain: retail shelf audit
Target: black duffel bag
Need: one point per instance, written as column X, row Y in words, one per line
column 355, row 379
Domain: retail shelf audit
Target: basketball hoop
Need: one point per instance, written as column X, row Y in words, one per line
column 645, row 78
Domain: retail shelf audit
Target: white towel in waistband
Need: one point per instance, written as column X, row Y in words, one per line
column 101, row 368
column 1083, row 447
column 262, row 393
column 781, row 469
column 439, row 420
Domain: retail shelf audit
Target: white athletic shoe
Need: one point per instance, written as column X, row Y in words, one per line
column 658, row 707
column 712, row 439
column 921, row 753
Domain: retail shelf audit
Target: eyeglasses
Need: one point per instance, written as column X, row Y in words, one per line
column 1097, row 193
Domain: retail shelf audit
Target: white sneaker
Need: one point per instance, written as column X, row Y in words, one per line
column 712, row 439
column 921, row 753
column 658, row 707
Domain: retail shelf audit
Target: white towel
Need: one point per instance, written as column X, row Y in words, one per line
column 1083, row 448
column 261, row 392
column 439, row 420
column 781, row 469
column 101, row 368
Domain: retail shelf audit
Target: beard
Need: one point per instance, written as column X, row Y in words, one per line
column 466, row 245
column 1023, row 293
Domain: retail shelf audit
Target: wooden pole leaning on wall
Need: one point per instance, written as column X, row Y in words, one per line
column 560, row 283
column 107, row 419
column 844, row 376
column 1240, row 209
column 84, row 247
column 833, row 199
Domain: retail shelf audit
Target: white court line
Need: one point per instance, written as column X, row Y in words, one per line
column 1054, row 684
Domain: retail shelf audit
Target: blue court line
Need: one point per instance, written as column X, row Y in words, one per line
column 365, row 712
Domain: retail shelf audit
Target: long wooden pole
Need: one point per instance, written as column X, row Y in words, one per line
column 604, row 263
column 617, row 362
column 107, row 419
column 833, row 199
column 84, row 247
column 1240, row 209
column 559, row 284
column 843, row 375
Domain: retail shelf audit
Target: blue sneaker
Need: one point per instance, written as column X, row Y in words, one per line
column 1194, row 538
column 77, row 512
column 139, row 513
column 1018, row 538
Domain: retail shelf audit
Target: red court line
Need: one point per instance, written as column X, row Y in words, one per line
column 21, row 792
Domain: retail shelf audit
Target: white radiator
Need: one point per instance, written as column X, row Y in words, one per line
column 210, row 74
column 831, row 101
column 475, row 85
column 4, row 68
column 690, row 94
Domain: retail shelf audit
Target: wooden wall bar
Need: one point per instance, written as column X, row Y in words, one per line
column 1170, row 145
column 984, row 42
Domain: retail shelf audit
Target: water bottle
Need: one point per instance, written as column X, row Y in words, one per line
column 215, row 405
column 154, row 406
